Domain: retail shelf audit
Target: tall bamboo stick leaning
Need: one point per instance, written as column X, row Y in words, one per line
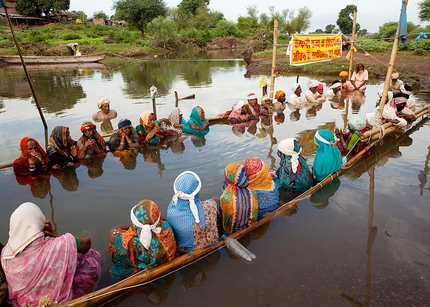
column 275, row 50
column 352, row 48
column 26, row 72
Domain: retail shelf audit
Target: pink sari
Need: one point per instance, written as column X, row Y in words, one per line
column 51, row 266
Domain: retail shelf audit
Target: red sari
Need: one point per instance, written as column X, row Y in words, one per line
column 21, row 166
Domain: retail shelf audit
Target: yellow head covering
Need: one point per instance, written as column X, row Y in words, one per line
column 343, row 74
column 279, row 93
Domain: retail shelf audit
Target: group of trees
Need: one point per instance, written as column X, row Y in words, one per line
column 194, row 20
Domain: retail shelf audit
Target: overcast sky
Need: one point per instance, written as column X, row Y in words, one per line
column 371, row 13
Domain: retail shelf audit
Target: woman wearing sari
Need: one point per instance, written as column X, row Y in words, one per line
column 198, row 123
column 239, row 204
column 149, row 130
column 350, row 140
column 176, row 120
column 33, row 159
column 294, row 173
column 39, row 263
column 194, row 222
column 124, row 138
column 327, row 158
column 91, row 142
column 62, row 150
column 146, row 242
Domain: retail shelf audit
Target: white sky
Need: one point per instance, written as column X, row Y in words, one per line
column 371, row 13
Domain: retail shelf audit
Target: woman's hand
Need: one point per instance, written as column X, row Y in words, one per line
column 74, row 151
column 47, row 229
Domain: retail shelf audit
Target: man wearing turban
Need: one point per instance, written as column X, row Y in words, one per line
column 395, row 83
column 312, row 95
column 105, row 112
column 345, row 85
column 281, row 101
column 297, row 99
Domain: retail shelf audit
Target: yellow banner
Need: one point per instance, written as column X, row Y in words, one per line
column 308, row 49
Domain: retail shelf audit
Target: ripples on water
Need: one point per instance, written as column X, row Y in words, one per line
column 308, row 257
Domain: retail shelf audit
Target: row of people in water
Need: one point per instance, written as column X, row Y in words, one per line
column 68, row 267
column 63, row 151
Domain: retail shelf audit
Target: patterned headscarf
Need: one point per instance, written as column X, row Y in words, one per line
column 58, row 139
column 239, row 205
column 328, row 158
column 101, row 144
column 261, row 182
column 174, row 118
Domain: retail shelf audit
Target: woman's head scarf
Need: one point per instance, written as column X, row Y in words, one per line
column 174, row 118
column 101, row 144
column 26, row 225
column 239, row 204
column 145, row 224
column 24, row 151
column 261, row 182
column 58, row 139
column 357, row 122
column 290, row 150
column 328, row 158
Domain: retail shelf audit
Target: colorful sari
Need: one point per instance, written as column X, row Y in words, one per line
column 294, row 173
column 261, row 182
column 195, row 119
column 194, row 222
column 21, row 166
column 37, row 266
column 174, row 120
column 148, row 242
column 143, row 130
column 328, row 158
column 99, row 147
column 239, row 204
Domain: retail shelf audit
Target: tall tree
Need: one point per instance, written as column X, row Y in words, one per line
column 41, row 8
column 191, row 6
column 345, row 19
column 424, row 10
column 139, row 13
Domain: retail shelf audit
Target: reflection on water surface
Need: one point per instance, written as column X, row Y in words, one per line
column 362, row 240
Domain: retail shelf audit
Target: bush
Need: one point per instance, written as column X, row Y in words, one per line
column 420, row 51
column 424, row 44
column 162, row 31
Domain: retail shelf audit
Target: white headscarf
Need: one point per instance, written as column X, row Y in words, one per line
column 102, row 101
column 287, row 148
column 189, row 197
column 145, row 232
column 26, row 225
column 313, row 83
column 321, row 139
column 294, row 87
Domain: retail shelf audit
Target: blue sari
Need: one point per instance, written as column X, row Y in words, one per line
column 328, row 158
column 195, row 119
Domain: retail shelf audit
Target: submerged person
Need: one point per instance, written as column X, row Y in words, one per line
column 176, row 120
column 147, row 241
column 359, row 77
column 105, row 112
column 124, row 137
column 266, row 106
column 238, row 114
column 293, row 173
column 281, row 101
column 91, row 142
column 350, row 141
column 33, row 159
column 345, row 85
column 296, row 100
column 252, row 107
column 197, row 124
column 39, row 263
column 194, row 222
column 328, row 158
column 62, row 150
column 149, row 130
column 395, row 83
column 239, row 203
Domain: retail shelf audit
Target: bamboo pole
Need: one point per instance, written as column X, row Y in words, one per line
column 275, row 50
column 351, row 50
column 389, row 71
column 25, row 70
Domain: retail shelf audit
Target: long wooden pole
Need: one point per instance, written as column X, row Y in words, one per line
column 351, row 50
column 384, row 97
column 25, row 70
column 275, row 50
